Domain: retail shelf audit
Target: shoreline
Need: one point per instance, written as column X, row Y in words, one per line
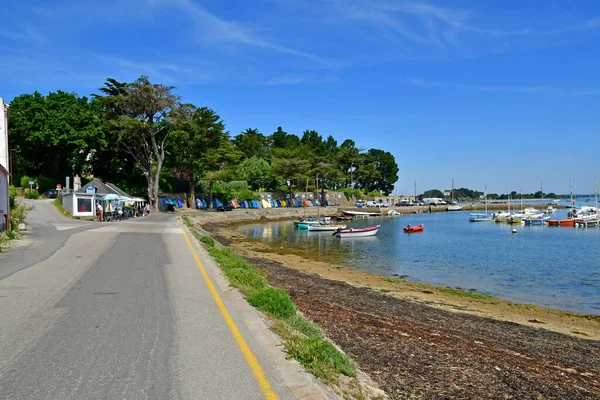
column 223, row 227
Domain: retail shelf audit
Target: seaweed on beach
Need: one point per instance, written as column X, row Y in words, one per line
column 409, row 347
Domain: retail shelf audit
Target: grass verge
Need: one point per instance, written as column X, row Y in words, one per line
column 61, row 209
column 303, row 339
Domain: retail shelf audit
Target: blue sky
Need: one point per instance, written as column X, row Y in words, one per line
column 490, row 92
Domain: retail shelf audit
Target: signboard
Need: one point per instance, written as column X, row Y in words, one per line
column 58, row 186
column 31, row 182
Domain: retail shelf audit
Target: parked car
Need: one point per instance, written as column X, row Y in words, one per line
column 372, row 203
column 225, row 207
column 360, row 203
column 51, row 194
column 403, row 203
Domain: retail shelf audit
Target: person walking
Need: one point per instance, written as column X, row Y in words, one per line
column 99, row 211
column 147, row 209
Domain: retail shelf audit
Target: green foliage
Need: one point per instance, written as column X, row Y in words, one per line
column 33, row 195
column 349, row 193
column 207, row 240
column 19, row 212
column 319, row 357
column 12, row 194
column 246, row 278
column 57, row 203
column 252, row 143
column 374, row 193
column 305, row 326
column 25, row 181
column 52, row 135
column 255, row 171
column 433, row 193
column 10, row 235
column 274, row 301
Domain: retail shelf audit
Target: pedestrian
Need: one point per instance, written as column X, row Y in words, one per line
column 99, row 211
column 147, row 209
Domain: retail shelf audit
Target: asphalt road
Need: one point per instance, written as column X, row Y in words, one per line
column 121, row 310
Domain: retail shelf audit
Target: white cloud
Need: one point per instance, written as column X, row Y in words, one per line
column 568, row 91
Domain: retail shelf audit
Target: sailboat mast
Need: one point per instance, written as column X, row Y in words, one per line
column 485, row 200
column 508, row 199
column 542, row 189
column 521, row 196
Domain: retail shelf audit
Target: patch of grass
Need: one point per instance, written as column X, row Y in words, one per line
column 274, row 301
column 207, row 240
column 246, row 279
column 10, row 235
column 61, row 209
column 304, row 325
column 320, row 357
column 186, row 221
column 462, row 293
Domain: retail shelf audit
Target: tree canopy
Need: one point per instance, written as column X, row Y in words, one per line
column 140, row 133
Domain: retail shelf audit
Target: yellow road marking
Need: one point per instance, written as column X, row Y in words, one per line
column 237, row 335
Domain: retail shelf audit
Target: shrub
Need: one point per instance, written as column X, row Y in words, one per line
column 12, row 193
column 19, row 212
column 207, row 240
column 10, row 235
column 274, row 301
column 25, row 181
column 32, row 195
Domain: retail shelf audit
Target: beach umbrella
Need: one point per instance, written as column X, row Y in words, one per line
column 111, row 196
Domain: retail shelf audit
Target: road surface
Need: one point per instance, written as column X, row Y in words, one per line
column 122, row 310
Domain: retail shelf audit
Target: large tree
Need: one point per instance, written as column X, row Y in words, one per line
column 387, row 169
column 144, row 127
column 252, row 143
column 290, row 166
column 199, row 133
column 255, row 171
column 52, row 135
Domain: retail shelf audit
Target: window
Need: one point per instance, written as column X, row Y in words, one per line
column 84, row 205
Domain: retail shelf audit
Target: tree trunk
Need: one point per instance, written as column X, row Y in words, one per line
column 191, row 195
column 210, row 195
column 156, row 184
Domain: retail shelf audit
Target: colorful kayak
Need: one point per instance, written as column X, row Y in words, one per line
column 412, row 229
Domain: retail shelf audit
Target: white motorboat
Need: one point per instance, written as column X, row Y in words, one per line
column 479, row 217
column 357, row 232
column 454, row 207
column 325, row 228
column 361, row 214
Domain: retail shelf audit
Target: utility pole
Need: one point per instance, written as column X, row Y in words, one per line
column 415, row 190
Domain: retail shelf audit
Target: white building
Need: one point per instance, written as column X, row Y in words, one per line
column 4, row 165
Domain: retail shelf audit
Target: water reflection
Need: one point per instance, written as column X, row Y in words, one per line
column 551, row 266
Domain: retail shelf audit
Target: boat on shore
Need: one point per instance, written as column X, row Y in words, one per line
column 454, row 207
column 324, row 228
column 357, row 232
column 413, row 228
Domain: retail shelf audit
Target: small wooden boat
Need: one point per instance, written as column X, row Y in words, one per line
column 412, row 229
column 325, row 228
column 357, row 232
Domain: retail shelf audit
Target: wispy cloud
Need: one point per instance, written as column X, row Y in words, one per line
column 220, row 30
column 570, row 91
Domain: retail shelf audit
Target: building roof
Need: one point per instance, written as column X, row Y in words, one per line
column 103, row 189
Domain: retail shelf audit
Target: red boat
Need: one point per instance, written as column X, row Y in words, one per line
column 562, row 222
column 411, row 229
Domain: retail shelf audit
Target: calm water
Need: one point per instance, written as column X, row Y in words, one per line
column 557, row 267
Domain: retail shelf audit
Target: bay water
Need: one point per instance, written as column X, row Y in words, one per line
column 557, row 267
